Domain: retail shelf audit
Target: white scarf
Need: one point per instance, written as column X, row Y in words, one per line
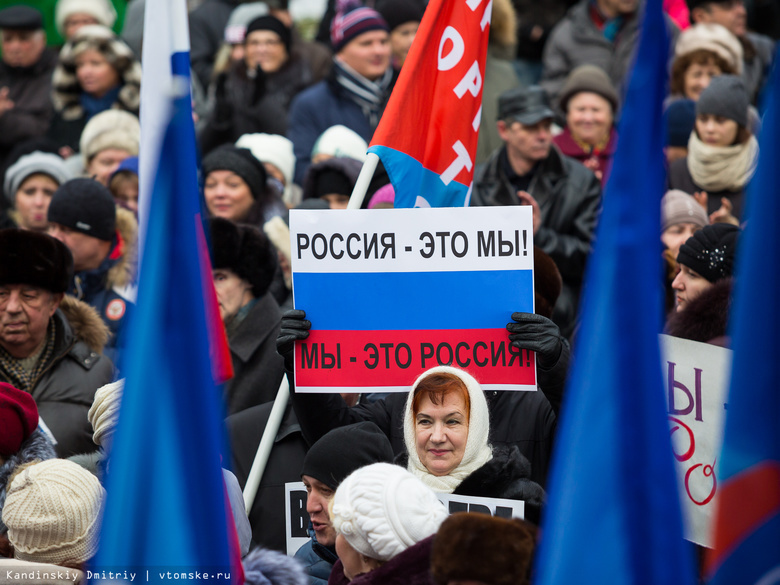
column 477, row 452
column 721, row 168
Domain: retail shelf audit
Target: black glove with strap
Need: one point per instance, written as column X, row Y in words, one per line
column 295, row 327
column 538, row 334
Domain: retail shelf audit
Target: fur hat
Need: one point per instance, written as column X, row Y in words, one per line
column 548, row 283
column 714, row 38
column 382, row 509
column 104, row 412
column 66, row 91
column 679, row 207
column 340, row 141
column 588, row 78
column 245, row 250
column 725, row 96
column 241, row 162
column 38, row 162
column 101, row 10
column 479, row 547
column 110, row 129
column 18, row 418
column 36, row 259
column 351, row 21
column 86, row 206
column 242, row 15
column 711, row 251
column 343, row 450
column 52, row 511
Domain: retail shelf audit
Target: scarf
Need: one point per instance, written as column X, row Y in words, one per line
column 477, row 451
column 369, row 95
column 94, row 105
column 17, row 375
column 722, row 168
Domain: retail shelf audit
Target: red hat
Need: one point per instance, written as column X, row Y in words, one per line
column 18, row 418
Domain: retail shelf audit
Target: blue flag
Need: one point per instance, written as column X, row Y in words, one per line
column 614, row 513
column 747, row 521
column 166, row 515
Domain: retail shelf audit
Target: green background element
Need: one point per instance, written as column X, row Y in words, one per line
column 46, row 7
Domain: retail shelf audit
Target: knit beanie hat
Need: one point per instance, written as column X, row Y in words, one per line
column 273, row 24
column 110, row 129
column 242, row 15
column 714, row 38
column 86, row 206
column 725, row 96
column 241, row 162
column 477, row 451
column 274, row 149
column 483, row 548
column 398, row 12
column 52, row 511
column 101, row 10
column 680, row 121
column 384, row 194
column 245, row 250
column 33, row 258
column 38, row 162
column 18, row 418
column 352, row 20
column 104, row 412
column 332, row 181
column 711, row 251
column 588, row 78
column 382, row 509
column 340, row 141
column 679, row 207
column 343, row 450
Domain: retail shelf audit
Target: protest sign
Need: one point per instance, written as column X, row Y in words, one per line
column 296, row 516
column 493, row 506
column 696, row 376
column 393, row 293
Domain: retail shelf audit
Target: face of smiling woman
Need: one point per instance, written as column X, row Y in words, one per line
column 441, row 432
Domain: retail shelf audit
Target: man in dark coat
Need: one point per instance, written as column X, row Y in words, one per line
column 50, row 345
column 25, row 77
column 530, row 170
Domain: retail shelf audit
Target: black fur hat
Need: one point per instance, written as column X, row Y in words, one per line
column 245, row 250
column 33, row 258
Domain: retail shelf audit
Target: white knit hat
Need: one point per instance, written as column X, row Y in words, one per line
column 340, row 141
column 274, row 149
column 382, row 509
column 242, row 15
column 110, row 129
column 104, row 412
column 52, row 511
column 477, row 452
column 101, row 10
column 44, row 163
column 711, row 37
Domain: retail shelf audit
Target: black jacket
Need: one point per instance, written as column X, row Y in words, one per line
column 569, row 196
column 523, row 419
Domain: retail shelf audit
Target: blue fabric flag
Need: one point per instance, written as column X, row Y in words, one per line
column 614, row 514
column 747, row 521
column 165, row 508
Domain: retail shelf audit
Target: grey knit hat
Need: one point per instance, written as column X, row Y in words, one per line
column 679, row 207
column 725, row 96
column 53, row 513
column 37, row 162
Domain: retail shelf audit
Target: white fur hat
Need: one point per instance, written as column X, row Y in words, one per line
column 714, row 38
column 53, row 513
column 101, row 10
column 382, row 509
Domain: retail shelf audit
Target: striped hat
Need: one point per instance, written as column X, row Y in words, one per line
column 352, row 20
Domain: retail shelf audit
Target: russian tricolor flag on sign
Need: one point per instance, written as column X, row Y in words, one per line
column 427, row 138
column 392, row 294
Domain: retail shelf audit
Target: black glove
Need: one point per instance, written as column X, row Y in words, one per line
column 295, row 327
column 538, row 334
column 258, row 87
column 223, row 108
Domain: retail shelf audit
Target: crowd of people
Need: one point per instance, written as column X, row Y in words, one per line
column 284, row 122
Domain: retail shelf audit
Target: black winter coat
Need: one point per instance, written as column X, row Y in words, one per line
column 569, row 196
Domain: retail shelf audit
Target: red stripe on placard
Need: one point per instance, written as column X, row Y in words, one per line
column 367, row 359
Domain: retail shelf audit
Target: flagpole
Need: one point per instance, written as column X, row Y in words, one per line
column 266, row 444
column 363, row 180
